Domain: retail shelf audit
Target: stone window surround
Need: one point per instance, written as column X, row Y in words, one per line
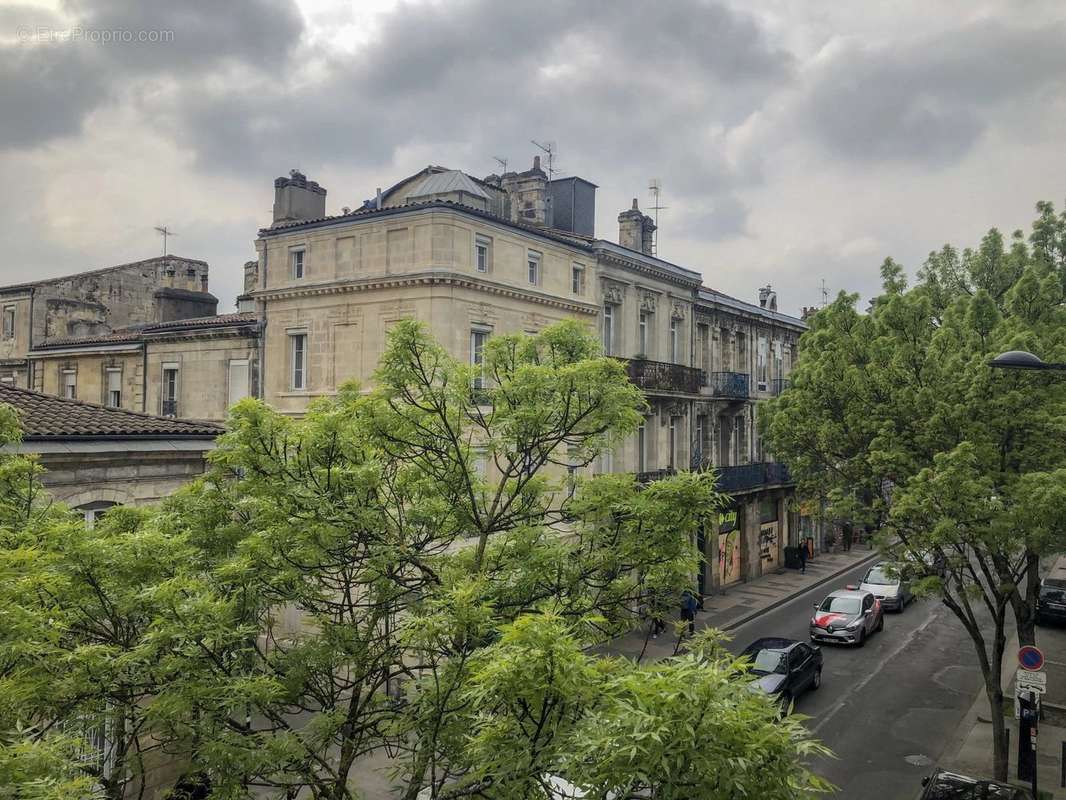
column 482, row 241
column 578, row 277
column 298, row 262
column 9, row 321
column 534, row 267
column 108, row 372
column 291, row 335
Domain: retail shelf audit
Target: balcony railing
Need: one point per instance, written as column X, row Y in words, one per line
column 745, row 477
column 664, row 376
column 654, row 475
column 170, row 408
column 778, row 385
column 735, row 385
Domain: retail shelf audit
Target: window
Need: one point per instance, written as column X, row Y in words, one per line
column 9, row 322
column 608, row 330
column 742, row 353
column 776, row 348
column 697, row 457
column 740, row 441
column 675, row 353
column 577, row 278
column 673, row 443
column 70, row 384
column 726, row 350
column 642, row 448
column 482, row 253
column 533, row 262
column 170, row 390
column 761, row 363
column 643, row 325
column 114, row 387
column 297, row 361
column 297, row 257
column 238, row 379
column 477, row 355
column 703, row 338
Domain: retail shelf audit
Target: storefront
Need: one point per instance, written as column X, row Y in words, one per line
column 729, row 571
column 769, row 535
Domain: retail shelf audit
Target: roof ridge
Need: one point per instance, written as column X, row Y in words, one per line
column 100, row 270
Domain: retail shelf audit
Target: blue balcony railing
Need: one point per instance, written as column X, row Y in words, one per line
column 745, row 477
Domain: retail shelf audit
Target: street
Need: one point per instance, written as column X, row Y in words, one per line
column 889, row 709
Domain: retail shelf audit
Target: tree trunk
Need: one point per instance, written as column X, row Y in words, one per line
column 1025, row 607
column 994, row 690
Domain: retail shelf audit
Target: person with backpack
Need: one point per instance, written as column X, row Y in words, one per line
column 688, row 610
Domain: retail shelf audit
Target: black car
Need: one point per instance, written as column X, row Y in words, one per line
column 1051, row 602
column 944, row 785
column 784, row 668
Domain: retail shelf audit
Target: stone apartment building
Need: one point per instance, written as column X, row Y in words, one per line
column 475, row 257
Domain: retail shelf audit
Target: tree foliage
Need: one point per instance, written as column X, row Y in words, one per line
column 896, row 420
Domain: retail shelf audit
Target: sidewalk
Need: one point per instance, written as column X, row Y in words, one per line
column 971, row 747
column 741, row 602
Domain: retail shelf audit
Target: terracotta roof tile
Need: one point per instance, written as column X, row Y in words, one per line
column 45, row 417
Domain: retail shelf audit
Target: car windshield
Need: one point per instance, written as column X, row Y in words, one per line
column 841, row 605
column 1054, row 583
column 878, row 576
column 766, row 661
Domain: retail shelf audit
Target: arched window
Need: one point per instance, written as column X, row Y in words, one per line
column 94, row 510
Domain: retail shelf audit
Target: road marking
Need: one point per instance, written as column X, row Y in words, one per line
column 873, row 674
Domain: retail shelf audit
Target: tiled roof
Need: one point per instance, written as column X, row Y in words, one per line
column 115, row 337
column 217, row 321
column 45, row 417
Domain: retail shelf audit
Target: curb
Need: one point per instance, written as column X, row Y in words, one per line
column 793, row 595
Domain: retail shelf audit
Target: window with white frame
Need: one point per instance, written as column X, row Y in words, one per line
column 238, row 380
column 478, row 337
column 9, row 322
column 113, row 397
column 644, row 328
column 674, row 424
column 533, row 265
column 482, row 253
column 170, row 389
column 608, row 329
column 775, row 348
column 298, row 361
column 577, row 278
column 297, row 263
column 701, row 426
column 70, row 383
column 675, row 334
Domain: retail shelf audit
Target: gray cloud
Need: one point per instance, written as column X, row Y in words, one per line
column 929, row 100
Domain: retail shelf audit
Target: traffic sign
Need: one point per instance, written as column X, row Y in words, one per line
column 1027, row 681
column 1030, row 657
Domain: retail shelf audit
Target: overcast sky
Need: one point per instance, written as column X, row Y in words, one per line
column 796, row 141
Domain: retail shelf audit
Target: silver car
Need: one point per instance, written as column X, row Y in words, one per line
column 887, row 587
column 847, row 616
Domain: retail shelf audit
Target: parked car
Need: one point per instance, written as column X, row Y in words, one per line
column 784, row 668
column 885, row 584
column 848, row 616
column 944, row 785
column 1051, row 602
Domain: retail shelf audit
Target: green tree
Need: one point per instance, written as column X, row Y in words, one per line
column 895, row 418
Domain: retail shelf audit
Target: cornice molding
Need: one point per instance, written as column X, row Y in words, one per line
column 434, row 278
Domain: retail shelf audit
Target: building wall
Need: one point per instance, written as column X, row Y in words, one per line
column 204, row 369
column 91, row 375
column 13, row 348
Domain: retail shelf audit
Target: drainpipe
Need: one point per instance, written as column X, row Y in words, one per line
column 144, row 377
column 260, row 307
column 29, row 348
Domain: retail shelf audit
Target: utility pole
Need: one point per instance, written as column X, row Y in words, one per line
column 549, row 150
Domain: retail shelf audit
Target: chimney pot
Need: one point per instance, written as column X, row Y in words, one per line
column 536, row 162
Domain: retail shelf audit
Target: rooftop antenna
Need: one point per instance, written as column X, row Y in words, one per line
column 655, row 186
column 164, row 231
column 825, row 294
column 502, row 162
column 549, row 149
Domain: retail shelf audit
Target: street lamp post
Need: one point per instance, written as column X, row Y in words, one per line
column 1020, row 359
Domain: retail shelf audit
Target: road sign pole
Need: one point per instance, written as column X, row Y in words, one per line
column 1032, row 700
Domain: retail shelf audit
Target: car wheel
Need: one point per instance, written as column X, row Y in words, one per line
column 862, row 638
column 817, row 679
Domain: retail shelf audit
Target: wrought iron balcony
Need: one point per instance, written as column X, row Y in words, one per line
column 664, row 376
column 745, row 477
column 654, row 475
column 170, row 408
column 778, row 385
column 734, row 385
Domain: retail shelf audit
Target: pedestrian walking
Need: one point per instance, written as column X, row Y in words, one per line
column 803, row 558
column 688, row 610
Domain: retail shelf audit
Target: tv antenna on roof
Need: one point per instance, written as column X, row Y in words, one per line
column 825, row 294
column 655, row 186
column 549, row 150
column 164, row 231
column 502, row 162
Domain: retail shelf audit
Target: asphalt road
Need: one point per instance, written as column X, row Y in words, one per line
column 889, row 709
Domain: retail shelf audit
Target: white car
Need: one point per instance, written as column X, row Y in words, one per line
column 885, row 584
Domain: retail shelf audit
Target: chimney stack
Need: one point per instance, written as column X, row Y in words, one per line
column 636, row 230
column 768, row 298
column 297, row 199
